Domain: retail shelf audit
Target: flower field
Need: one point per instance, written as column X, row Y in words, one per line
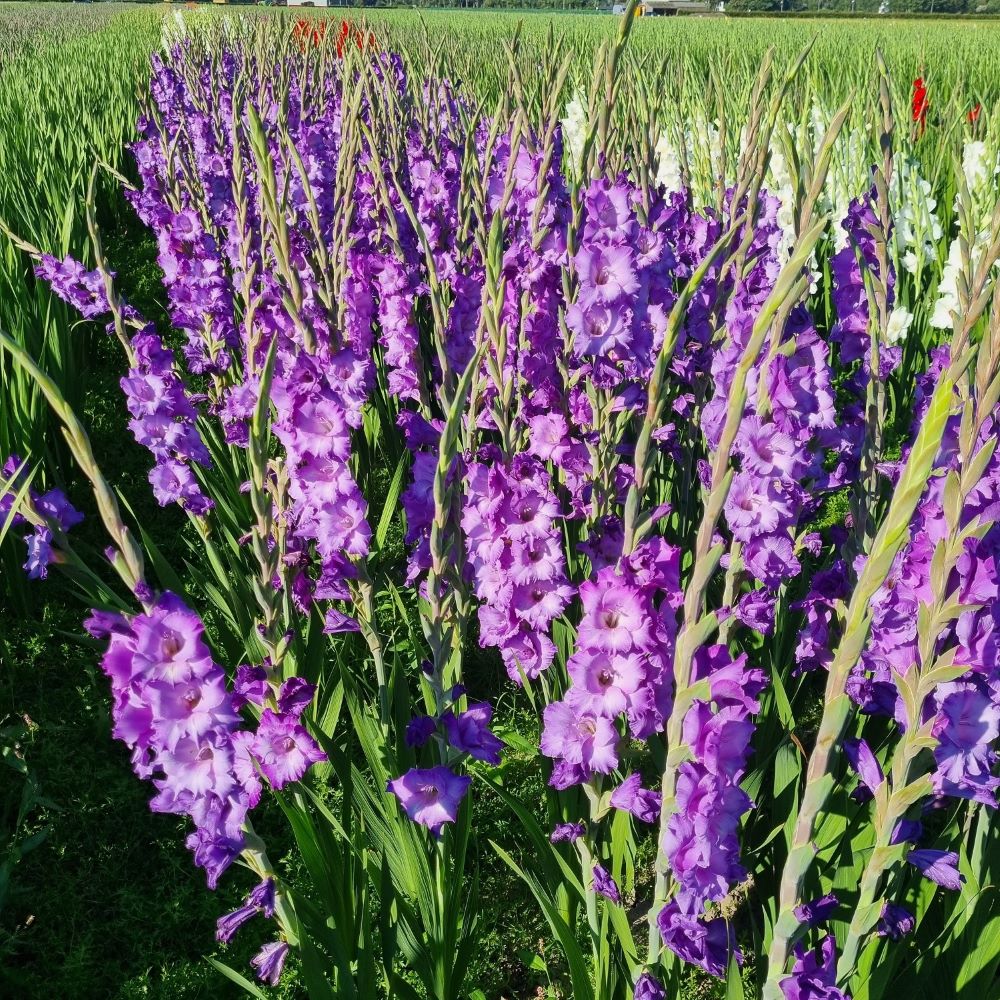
column 498, row 507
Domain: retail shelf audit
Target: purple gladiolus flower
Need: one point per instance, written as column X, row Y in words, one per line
column 294, row 696
column 420, row 729
column 567, row 833
column 251, row 684
column 632, row 797
column 579, row 738
column 614, row 617
column 967, row 728
column 432, row 796
column 866, row 766
column 336, row 622
column 818, row 911
column 229, row 923
column 648, row 988
column 939, row 866
column 270, row 961
column 814, row 974
column 171, row 708
column 53, row 507
column 469, row 732
column 907, row 831
column 709, row 944
column 605, row 885
column 262, row 896
column 260, row 900
column 757, row 611
column 895, row 922
column 284, row 748
column 39, row 544
column 84, row 290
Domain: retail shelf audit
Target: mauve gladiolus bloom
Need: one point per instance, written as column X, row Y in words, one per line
column 967, row 728
column 605, row 274
column 818, row 911
column 938, row 866
column 270, row 961
column 895, row 922
column 605, row 885
column 579, row 738
column 648, row 988
column 432, row 796
column 190, row 748
column 284, row 748
column 614, row 619
column 84, row 290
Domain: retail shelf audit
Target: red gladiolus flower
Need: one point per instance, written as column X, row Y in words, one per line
column 920, row 103
column 348, row 33
column 974, row 114
column 307, row 33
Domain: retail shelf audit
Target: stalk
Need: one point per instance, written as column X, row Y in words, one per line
column 130, row 566
column 819, row 783
column 906, row 786
column 866, row 501
column 697, row 625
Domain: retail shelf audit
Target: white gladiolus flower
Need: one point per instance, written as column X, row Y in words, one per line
column 781, row 186
column 848, row 175
column 979, row 179
column 974, row 165
column 898, row 325
column 703, row 149
column 947, row 300
column 916, row 227
column 575, row 126
column 668, row 164
column 173, row 33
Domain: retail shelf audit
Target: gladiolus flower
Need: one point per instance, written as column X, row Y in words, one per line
column 431, row 797
column 920, row 103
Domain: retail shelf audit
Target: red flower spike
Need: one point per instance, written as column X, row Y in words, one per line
column 921, row 104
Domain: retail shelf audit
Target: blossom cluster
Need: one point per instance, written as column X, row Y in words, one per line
column 172, row 708
column 511, row 525
column 50, row 512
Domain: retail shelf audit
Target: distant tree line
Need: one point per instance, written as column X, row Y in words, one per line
column 865, row 6
column 955, row 7
column 910, row 7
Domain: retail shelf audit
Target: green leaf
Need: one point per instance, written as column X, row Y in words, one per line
column 734, row 982
column 578, row 967
column 392, row 499
column 235, row 977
